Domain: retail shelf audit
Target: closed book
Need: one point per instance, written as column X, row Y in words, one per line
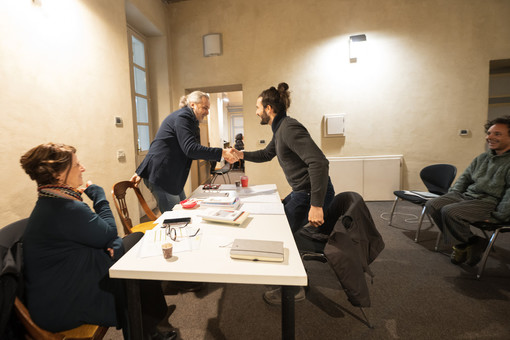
column 224, row 215
column 257, row 250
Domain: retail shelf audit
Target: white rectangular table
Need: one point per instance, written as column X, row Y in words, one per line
column 212, row 263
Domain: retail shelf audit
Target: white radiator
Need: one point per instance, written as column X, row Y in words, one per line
column 373, row 177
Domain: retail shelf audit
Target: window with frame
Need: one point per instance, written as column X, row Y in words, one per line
column 140, row 91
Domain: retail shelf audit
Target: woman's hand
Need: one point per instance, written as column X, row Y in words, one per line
column 316, row 216
column 110, row 252
column 82, row 189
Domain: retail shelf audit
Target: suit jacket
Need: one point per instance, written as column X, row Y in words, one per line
column 175, row 146
column 352, row 245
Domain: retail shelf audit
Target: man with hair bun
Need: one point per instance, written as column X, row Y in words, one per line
column 302, row 161
column 166, row 167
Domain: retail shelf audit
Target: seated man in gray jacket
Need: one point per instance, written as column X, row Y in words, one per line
column 481, row 193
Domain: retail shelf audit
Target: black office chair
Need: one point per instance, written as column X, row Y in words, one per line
column 223, row 171
column 496, row 229
column 437, row 178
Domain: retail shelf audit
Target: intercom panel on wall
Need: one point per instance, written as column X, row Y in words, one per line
column 334, row 125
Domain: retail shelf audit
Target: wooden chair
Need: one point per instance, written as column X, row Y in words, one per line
column 119, row 197
column 34, row 332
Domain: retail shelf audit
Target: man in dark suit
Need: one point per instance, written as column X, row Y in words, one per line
column 166, row 167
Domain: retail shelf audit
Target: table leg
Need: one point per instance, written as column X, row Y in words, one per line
column 134, row 309
column 288, row 327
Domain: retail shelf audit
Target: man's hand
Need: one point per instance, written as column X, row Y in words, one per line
column 229, row 155
column 316, row 216
column 136, row 179
column 239, row 154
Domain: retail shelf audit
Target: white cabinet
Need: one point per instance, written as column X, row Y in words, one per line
column 373, row 177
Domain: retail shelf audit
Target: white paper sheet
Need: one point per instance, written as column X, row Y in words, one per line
column 263, row 208
column 155, row 238
column 272, row 198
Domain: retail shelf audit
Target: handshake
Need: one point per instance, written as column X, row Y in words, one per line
column 232, row 155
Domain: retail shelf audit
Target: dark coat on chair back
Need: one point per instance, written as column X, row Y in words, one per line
column 175, row 146
column 352, row 245
column 11, row 283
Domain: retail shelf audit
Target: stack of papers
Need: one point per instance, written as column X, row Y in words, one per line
column 230, row 201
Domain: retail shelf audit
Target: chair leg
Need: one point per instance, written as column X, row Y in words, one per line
column 420, row 221
column 486, row 254
column 366, row 318
column 214, row 178
column 393, row 210
column 436, row 248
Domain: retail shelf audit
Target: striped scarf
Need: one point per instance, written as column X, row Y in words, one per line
column 59, row 191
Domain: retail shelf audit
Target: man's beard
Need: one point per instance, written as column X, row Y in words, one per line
column 264, row 119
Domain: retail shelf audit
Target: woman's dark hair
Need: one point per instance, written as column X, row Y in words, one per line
column 239, row 136
column 278, row 99
column 499, row 120
column 45, row 162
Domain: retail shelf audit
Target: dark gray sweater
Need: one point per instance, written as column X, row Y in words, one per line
column 305, row 166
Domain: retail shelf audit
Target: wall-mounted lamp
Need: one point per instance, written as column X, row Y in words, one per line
column 212, row 44
column 355, row 46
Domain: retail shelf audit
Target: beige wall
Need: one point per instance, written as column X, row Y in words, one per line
column 426, row 75
column 64, row 73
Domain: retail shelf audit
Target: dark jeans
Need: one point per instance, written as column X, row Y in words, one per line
column 297, row 206
column 166, row 201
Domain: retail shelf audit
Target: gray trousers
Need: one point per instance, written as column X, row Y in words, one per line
column 453, row 213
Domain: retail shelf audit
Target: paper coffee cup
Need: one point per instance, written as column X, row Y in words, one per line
column 167, row 250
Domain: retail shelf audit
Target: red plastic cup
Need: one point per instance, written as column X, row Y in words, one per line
column 244, row 181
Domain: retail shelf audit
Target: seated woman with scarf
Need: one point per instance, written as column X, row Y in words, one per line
column 68, row 250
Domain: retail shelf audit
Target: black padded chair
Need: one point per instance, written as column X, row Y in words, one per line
column 496, row 229
column 437, row 178
column 223, row 171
